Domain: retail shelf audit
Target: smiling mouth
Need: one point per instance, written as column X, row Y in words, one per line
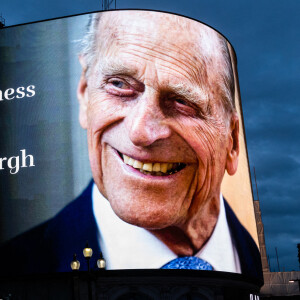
column 153, row 168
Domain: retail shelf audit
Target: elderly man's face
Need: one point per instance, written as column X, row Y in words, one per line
column 159, row 138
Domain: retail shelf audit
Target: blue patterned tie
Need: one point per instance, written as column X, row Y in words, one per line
column 188, row 263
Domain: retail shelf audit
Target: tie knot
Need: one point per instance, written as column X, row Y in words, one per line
column 188, row 263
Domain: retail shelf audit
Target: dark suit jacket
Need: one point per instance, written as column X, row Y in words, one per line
column 50, row 246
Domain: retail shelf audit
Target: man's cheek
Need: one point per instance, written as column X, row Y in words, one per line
column 102, row 115
column 200, row 138
column 203, row 140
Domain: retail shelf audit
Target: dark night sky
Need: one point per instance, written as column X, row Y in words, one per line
column 265, row 35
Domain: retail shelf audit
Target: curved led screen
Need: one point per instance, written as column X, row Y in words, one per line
column 123, row 129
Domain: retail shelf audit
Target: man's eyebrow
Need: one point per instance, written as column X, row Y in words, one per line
column 116, row 67
column 194, row 94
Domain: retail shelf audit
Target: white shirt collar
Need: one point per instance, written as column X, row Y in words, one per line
column 126, row 246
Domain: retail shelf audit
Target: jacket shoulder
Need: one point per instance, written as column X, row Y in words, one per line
column 49, row 247
column 247, row 249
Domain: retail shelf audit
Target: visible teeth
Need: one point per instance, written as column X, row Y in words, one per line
column 156, row 167
column 170, row 166
column 137, row 164
column 125, row 158
column 130, row 161
column 164, row 167
column 148, row 167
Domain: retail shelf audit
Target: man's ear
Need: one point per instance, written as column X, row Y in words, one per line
column 82, row 94
column 233, row 146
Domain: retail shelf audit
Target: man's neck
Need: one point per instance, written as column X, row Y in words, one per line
column 188, row 238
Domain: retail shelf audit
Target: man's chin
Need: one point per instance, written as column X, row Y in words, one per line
column 151, row 220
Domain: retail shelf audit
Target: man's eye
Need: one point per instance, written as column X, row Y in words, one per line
column 181, row 101
column 120, row 88
column 184, row 107
column 118, row 84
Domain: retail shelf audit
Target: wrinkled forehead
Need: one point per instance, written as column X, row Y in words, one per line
column 154, row 29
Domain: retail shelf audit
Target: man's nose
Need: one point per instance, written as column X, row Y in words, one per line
column 147, row 123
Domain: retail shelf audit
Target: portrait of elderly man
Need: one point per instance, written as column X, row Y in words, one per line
column 156, row 98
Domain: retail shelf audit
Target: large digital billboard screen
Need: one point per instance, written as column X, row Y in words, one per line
column 123, row 128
